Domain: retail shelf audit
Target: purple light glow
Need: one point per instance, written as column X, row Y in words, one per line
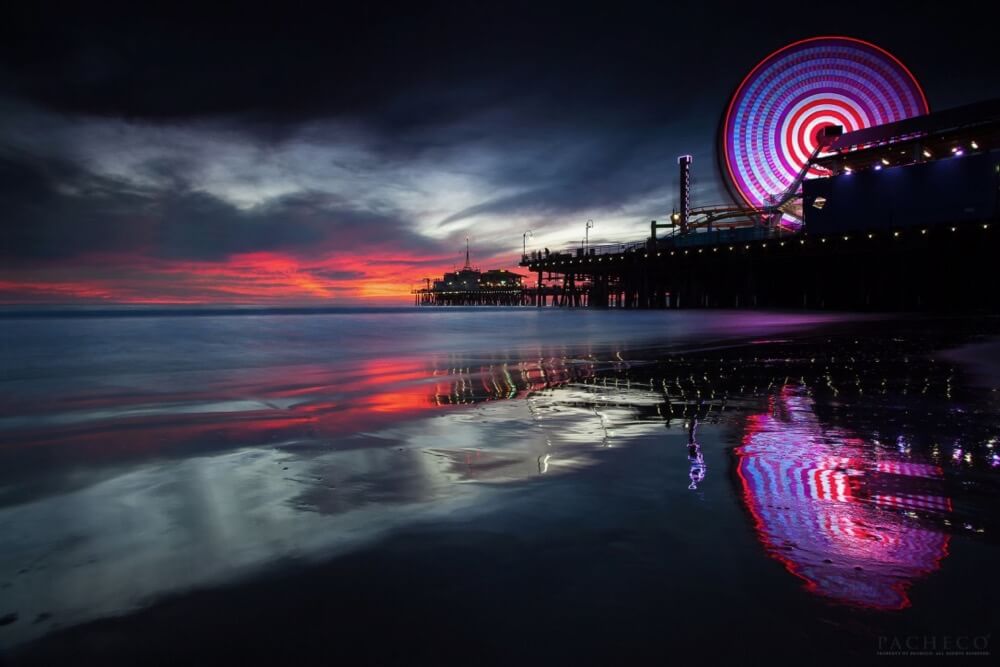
column 777, row 113
column 830, row 506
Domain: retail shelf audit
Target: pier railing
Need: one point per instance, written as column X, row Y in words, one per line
column 723, row 236
column 588, row 251
column 677, row 240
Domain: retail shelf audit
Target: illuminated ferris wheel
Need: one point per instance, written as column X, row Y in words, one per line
column 775, row 121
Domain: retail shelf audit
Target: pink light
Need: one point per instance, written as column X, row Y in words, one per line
column 832, row 508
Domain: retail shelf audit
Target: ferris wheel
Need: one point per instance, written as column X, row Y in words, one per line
column 776, row 119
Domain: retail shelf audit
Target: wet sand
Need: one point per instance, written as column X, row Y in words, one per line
column 811, row 492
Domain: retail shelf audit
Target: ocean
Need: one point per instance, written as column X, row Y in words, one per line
column 429, row 486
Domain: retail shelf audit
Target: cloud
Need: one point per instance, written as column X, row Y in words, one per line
column 55, row 210
column 327, row 157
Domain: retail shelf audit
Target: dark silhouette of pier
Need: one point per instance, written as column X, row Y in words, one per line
column 940, row 267
column 905, row 218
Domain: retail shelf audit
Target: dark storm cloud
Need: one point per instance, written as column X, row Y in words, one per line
column 594, row 173
column 54, row 210
column 432, row 63
column 555, row 110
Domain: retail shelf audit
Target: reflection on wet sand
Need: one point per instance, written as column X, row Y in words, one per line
column 843, row 455
column 844, row 452
column 265, row 407
column 695, row 458
column 111, row 502
column 837, row 511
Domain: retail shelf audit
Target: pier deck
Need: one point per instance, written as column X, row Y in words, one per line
column 942, row 267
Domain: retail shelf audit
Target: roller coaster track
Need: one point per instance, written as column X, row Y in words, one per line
column 777, row 205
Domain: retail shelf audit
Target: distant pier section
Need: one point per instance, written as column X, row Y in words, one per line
column 470, row 286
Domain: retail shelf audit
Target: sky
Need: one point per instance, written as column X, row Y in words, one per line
column 340, row 155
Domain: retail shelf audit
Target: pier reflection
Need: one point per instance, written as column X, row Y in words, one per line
column 855, row 462
column 850, row 458
column 837, row 511
column 273, row 406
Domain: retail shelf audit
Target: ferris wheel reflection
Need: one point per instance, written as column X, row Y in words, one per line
column 842, row 515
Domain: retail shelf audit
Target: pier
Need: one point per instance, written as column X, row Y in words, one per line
column 939, row 267
column 902, row 216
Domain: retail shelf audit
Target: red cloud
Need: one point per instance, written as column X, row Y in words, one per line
column 251, row 278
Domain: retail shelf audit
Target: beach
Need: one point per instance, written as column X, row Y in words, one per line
column 393, row 486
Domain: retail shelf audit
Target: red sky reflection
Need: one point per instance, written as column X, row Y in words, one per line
column 277, row 405
column 836, row 511
column 251, row 278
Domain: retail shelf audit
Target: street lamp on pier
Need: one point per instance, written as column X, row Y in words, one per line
column 586, row 236
column 524, row 244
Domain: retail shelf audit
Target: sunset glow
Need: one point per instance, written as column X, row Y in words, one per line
column 248, row 278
